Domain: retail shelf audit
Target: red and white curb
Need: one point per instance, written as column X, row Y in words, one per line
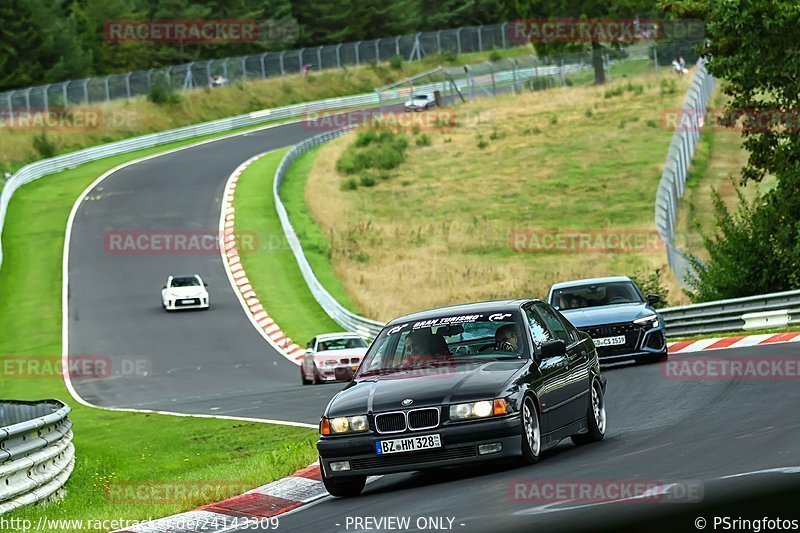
column 252, row 507
column 238, row 278
column 732, row 342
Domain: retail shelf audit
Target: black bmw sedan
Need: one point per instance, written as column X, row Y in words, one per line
column 475, row 382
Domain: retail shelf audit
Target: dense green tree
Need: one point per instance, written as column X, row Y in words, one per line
column 754, row 47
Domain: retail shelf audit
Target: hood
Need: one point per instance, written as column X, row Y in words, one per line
column 340, row 354
column 188, row 292
column 607, row 314
column 468, row 382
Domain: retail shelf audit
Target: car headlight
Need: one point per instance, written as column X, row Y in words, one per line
column 343, row 424
column 650, row 321
column 482, row 409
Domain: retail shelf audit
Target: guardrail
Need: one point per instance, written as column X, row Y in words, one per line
column 676, row 167
column 765, row 311
column 36, row 452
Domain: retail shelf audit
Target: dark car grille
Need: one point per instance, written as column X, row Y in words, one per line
column 632, row 332
column 390, row 422
column 417, row 419
column 187, row 301
column 655, row 341
column 402, row 459
column 423, row 418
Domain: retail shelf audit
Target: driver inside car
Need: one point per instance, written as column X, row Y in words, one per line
column 425, row 348
column 506, row 338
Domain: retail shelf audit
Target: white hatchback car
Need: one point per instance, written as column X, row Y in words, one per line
column 332, row 357
column 420, row 102
column 184, row 292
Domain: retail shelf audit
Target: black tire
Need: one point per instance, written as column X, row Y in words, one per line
column 347, row 487
column 531, row 432
column 595, row 417
column 315, row 380
column 303, row 376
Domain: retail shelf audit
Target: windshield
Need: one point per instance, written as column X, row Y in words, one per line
column 185, row 282
column 344, row 343
column 620, row 292
column 445, row 341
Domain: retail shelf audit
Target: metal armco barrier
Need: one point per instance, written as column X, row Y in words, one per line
column 676, row 167
column 765, row 311
column 36, row 452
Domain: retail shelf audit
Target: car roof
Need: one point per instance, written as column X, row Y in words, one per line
column 589, row 281
column 463, row 309
column 343, row 334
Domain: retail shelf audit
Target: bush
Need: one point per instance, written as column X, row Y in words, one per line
column 614, row 91
column 589, row 113
column 162, row 91
column 553, row 120
column 482, row 143
column 494, row 55
column 349, row 185
column 396, row 62
column 650, row 283
column 424, row 140
column 367, row 180
column 651, row 123
column 667, row 87
column 373, row 149
column 448, row 55
column 44, row 146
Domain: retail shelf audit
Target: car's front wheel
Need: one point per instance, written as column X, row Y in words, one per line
column 531, row 432
column 344, row 487
column 595, row 417
column 303, row 378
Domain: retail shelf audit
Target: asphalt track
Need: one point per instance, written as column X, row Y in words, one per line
column 215, row 362
column 660, row 430
column 196, row 362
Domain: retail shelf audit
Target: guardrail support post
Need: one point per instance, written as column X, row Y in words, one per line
column 480, row 38
column 356, row 50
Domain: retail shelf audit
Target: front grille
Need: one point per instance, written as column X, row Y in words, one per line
column 344, row 361
column 632, row 332
column 655, row 341
column 187, row 301
column 423, row 418
column 402, row 459
column 355, row 360
column 390, row 422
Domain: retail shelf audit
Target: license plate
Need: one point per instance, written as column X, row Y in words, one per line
column 409, row 444
column 610, row 341
column 187, row 301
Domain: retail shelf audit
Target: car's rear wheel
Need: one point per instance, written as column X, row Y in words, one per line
column 344, row 487
column 531, row 432
column 595, row 417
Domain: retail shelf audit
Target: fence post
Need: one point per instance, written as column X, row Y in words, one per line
column 480, row 38
column 458, row 41
column 319, row 58
column 377, row 51
column 280, row 59
column 358, row 43
column 244, row 68
column 397, row 46
column 128, row 84
column 503, row 30
column 9, row 96
column 150, row 79
column 561, row 71
column 263, row 66
column 108, row 89
column 208, row 72
column 86, row 91
column 338, row 56
column 28, row 98
column 64, row 94
column 439, row 41
column 302, row 61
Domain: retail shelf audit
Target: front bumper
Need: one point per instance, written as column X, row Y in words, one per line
column 649, row 343
column 459, row 446
column 200, row 303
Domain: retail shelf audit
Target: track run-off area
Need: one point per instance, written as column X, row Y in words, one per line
column 722, row 434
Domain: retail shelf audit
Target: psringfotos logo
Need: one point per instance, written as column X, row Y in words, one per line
column 585, row 241
column 604, row 30
column 282, row 31
column 745, row 368
column 188, row 242
column 173, row 492
column 752, row 120
column 76, row 366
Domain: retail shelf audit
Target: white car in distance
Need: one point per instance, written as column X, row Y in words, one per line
column 332, row 357
column 184, row 292
column 420, row 102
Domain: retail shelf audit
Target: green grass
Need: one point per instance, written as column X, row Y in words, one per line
column 116, row 446
column 273, row 270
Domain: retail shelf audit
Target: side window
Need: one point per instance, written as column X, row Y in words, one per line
column 556, row 326
column 571, row 330
column 538, row 330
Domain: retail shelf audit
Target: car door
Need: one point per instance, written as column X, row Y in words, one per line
column 553, row 396
column 577, row 380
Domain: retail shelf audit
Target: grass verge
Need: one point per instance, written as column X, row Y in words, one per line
column 116, row 448
column 273, row 270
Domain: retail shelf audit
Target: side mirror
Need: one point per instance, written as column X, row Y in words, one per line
column 554, row 348
column 205, row 284
column 653, row 299
column 309, row 351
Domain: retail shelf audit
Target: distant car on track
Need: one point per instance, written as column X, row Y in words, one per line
column 621, row 321
column 462, row 384
column 420, row 102
column 332, row 357
column 184, row 292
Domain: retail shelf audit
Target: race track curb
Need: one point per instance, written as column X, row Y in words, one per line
column 682, row 347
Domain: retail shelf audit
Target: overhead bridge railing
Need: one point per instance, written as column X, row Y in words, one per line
column 36, row 452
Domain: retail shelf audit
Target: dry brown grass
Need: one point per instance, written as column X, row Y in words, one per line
column 437, row 231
